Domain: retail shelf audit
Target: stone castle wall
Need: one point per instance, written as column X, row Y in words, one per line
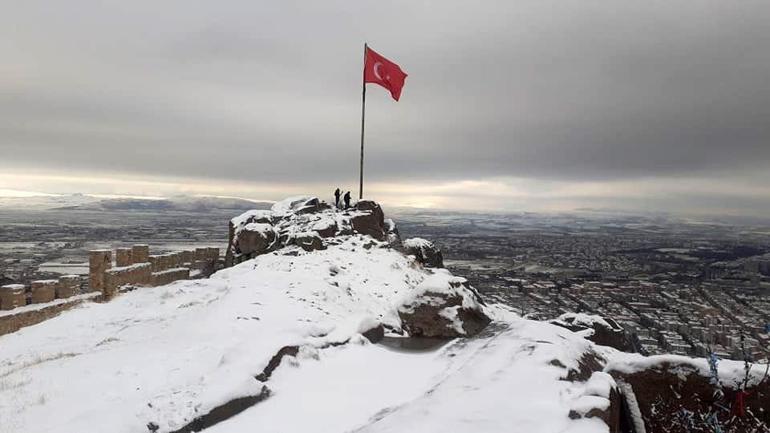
column 133, row 267
column 22, row 306
column 40, row 292
column 136, row 267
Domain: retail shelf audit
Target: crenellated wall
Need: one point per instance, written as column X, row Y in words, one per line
column 22, row 306
column 40, row 292
column 136, row 267
column 133, row 267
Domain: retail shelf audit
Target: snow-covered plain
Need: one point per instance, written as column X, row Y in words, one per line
column 166, row 355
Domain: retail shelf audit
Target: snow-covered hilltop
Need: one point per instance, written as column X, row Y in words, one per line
column 322, row 324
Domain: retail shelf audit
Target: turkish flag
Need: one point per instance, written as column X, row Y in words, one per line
column 379, row 70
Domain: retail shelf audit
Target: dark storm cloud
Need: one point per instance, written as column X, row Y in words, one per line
column 575, row 90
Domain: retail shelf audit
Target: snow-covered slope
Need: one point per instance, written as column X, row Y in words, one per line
column 156, row 359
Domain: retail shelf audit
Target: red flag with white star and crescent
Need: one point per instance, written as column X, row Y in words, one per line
column 379, row 70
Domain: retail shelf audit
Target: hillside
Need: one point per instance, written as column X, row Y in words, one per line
column 317, row 327
column 82, row 202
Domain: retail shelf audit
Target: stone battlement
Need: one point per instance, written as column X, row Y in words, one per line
column 22, row 306
column 40, row 292
column 136, row 267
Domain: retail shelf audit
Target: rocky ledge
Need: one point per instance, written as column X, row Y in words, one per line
column 442, row 306
column 306, row 222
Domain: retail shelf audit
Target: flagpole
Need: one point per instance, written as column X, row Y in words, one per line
column 363, row 112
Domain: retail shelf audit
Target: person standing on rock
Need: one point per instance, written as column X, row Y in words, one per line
column 337, row 194
column 347, row 199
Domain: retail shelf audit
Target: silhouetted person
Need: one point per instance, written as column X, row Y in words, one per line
column 347, row 199
column 337, row 194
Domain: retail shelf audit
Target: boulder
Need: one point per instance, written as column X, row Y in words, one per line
column 298, row 205
column 391, row 233
column 372, row 330
column 424, row 251
column 442, row 306
column 605, row 332
column 311, row 205
column 309, row 241
column 325, row 228
column 255, row 238
column 234, row 254
column 369, row 220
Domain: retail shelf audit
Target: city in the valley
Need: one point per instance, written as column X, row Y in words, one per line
column 687, row 286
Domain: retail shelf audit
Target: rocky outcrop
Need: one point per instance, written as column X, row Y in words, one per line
column 305, row 222
column 675, row 394
column 256, row 238
column 392, row 235
column 424, row 251
column 601, row 399
column 604, row 332
column 220, row 413
column 308, row 241
column 370, row 220
column 443, row 306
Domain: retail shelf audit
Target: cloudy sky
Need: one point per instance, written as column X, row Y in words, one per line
column 509, row 105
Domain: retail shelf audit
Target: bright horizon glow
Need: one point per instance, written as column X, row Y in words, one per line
column 502, row 194
column 14, row 193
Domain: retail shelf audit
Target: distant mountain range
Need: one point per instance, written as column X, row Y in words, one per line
column 171, row 204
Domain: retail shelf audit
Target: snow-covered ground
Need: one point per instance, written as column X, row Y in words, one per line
column 166, row 355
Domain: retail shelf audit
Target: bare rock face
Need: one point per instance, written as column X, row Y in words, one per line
column 256, row 238
column 326, row 229
column 424, row 251
column 443, row 306
column 604, row 332
column 370, row 220
column 374, row 333
column 676, row 394
column 309, row 241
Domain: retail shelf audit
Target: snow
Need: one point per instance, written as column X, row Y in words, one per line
column 633, row 407
column 434, row 289
column 582, row 319
column 498, row 383
column 169, row 354
column 37, row 307
column 259, row 227
column 731, row 373
column 600, row 384
column 171, row 271
column 322, row 224
column 417, row 243
column 290, row 204
column 486, row 384
column 251, row 214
